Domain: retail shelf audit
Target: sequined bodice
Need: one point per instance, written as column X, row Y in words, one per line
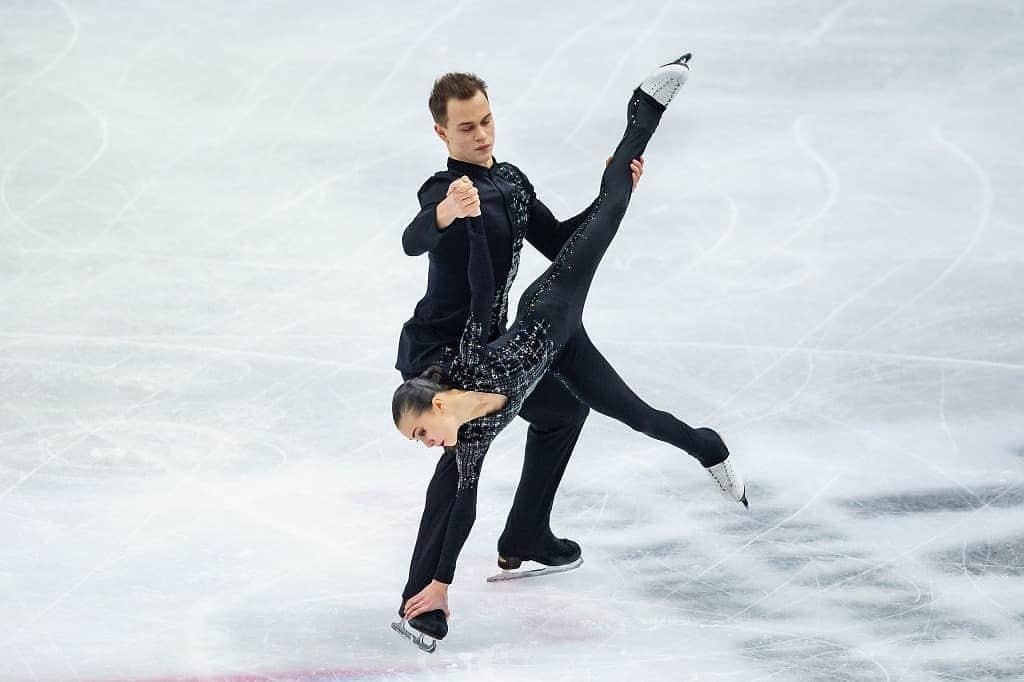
column 511, row 365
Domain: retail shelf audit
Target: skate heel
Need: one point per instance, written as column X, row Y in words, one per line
column 422, row 641
column 564, row 555
column 509, row 563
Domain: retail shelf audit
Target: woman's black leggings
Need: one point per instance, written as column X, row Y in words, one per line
column 560, row 293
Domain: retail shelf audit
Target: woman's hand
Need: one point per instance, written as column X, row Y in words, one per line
column 433, row 596
column 463, row 198
column 636, row 168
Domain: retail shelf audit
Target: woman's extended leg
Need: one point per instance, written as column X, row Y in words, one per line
column 595, row 382
column 561, row 291
column 586, row 373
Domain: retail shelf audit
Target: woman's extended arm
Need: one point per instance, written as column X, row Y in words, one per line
column 481, row 298
column 469, row 457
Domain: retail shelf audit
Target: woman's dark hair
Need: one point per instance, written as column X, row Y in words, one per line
column 414, row 396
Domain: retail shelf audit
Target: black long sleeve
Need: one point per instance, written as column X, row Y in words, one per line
column 481, row 296
column 422, row 234
column 469, row 459
column 547, row 233
column 469, row 453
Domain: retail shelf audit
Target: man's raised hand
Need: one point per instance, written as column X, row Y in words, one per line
column 636, row 169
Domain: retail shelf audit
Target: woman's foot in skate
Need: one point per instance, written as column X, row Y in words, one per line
column 428, row 628
column 664, row 82
column 728, row 481
column 718, row 463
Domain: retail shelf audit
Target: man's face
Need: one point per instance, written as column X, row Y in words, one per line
column 470, row 130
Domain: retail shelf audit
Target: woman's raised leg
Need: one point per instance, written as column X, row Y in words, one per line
column 561, row 291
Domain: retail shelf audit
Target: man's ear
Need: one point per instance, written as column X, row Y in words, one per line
column 441, row 133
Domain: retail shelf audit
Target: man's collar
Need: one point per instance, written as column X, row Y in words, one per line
column 470, row 169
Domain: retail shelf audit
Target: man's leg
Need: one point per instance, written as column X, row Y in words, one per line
column 556, row 418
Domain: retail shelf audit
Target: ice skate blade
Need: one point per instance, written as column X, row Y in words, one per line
column 418, row 639
column 533, row 573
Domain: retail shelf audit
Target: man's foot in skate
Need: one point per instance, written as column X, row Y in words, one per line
column 557, row 556
column 426, row 629
column 664, row 82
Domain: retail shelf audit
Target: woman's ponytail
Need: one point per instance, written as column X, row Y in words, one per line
column 436, row 375
column 416, row 395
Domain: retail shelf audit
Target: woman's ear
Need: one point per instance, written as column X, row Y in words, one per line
column 438, row 404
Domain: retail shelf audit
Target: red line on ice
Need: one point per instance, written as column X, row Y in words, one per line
column 324, row 675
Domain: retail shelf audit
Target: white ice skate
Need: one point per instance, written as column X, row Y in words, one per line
column 427, row 628
column 665, row 81
column 524, row 570
column 421, row 640
column 728, row 481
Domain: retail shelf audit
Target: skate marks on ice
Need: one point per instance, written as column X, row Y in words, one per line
column 1000, row 556
column 948, row 499
column 812, row 597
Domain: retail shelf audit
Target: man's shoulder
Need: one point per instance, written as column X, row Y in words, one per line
column 436, row 183
column 512, row 173
column 509, row 166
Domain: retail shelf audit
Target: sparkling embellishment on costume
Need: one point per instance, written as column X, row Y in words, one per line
column 520, row 216
column 512, row 365
column 567, row 248
column 469, row 344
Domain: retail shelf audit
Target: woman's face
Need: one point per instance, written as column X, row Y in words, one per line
column 434, row 428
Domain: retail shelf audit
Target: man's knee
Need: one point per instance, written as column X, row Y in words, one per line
column 577, row 412
column 552, row 403
column 562, row 415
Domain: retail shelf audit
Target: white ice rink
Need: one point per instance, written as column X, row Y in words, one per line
column 202, row 284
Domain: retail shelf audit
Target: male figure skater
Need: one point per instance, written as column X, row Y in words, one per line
column 502, row 193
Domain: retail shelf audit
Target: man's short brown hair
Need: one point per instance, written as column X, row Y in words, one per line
column 457, row 85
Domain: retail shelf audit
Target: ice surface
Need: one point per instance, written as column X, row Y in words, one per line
column 202, row 283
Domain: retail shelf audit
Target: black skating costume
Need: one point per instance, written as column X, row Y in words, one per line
column 548, row 335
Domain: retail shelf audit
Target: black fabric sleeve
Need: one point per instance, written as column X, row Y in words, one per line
column 469, row 459
column 481, row 293
column 547, row 233
column 422, row 234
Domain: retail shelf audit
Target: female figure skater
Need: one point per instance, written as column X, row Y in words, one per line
column 488, row 382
